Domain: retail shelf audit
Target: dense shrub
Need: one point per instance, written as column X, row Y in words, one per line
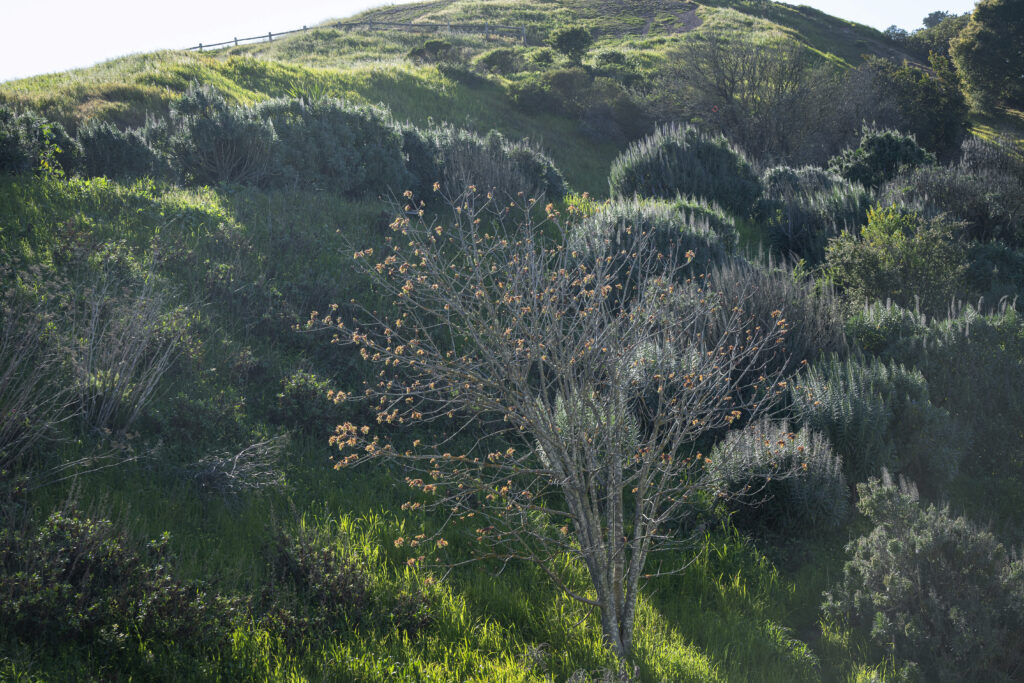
column 880, row 328
column 812, row 315
column 213, row 142
column 990, row 203
column 330, row 144
column 995, row 274
column 975, row 369
column 779, row 480
column 900, row 256
column 120, row 154
column 996, row 156
column 572, row 41
column 494, row 161
column 436, row 52
column 803, row 208
column 933, row 589
column 78, row 581
column 879, row 157
column 422, row 163
column 878, row 415
column 502, row 60
column 29, row 143
column 304, row 403
column 611, row 232
column 680, row 160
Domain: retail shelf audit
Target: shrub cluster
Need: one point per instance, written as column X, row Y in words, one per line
column 932, row 589
column 915, row 262
column 880, row 155
column 879, row 415
column 76, row 580
column 680, row 160
column 304, row 403
column 30, row 143
column 802, row 208
column 120, row 154
column 780, row 480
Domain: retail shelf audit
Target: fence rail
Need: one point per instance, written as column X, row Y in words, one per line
column 486, row 29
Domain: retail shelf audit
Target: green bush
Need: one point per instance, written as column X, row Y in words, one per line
column 802, row 208
column 812, row 315
column 330, row 144
column 436, row 52
column 780, row 481
column 879, row 157
column 29, row 143
column 77, row 581
column 213, row 142
column 120, row 154
column 878, row 415
column 494, row 161
column 933, row 589
column 679, row 160
column 990, row 203
column 504, row 61
column 305, row 403
column 572, row 41
column 900, row 256
column 676, row 228
column 995, row 274
column 422, row 162
column 880, row 328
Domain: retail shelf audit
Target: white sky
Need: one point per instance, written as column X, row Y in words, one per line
column 43, row 36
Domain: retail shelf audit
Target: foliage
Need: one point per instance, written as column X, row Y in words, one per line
column 878, row 415
column 879, row 157
column 932, row 588
column 305, row 403
column 902, row 257
column 213, row 142
column 779, row 480
column 927, row 104
column 616, row 228
column 121, row 154
column 503, row 61
column 77, row 580
column 878, row 329
column 680, row 160
column 572, row 41
column 30, row 143
column 254, row 468
column 987, row 55
column 999, row 156
column 495, row 162
column 812, row 315
column 803, row 208
column 940, row 29
column 436, row 52
column 990, row 203
column 329, row 144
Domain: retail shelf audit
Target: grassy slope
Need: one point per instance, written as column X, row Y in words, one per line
column 730, row 616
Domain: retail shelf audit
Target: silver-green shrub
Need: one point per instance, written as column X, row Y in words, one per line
column 780, row 480
column 680, row 160
column 878, row 415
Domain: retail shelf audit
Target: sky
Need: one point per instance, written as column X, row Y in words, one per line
column 43, row 36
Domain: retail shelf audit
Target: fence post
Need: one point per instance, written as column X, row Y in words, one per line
column 487, row 30
column 524, row 35
column 236, row 41
column 200, row 47
column 270, row 36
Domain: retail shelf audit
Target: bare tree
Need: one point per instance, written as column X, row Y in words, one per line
column 581, row 399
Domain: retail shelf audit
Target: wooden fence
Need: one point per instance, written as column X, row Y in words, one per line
column 487, row 29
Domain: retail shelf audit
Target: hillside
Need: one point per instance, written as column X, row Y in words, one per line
column 195, row 247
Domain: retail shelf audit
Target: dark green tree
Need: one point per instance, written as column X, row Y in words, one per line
column 989, row 54
column 572, row 41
